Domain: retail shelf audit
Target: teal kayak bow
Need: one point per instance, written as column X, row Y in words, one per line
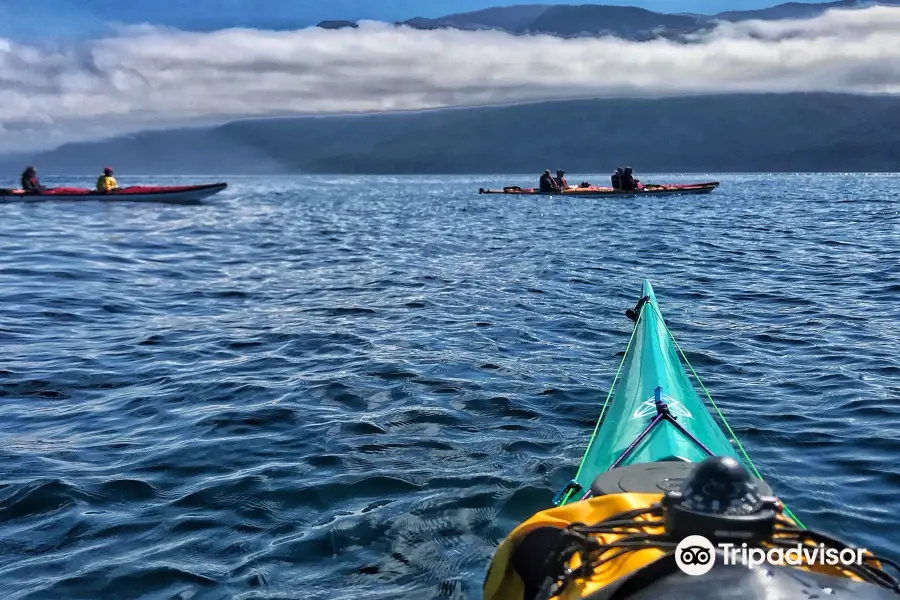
column 652, row 413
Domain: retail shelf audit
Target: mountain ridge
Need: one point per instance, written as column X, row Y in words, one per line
column 626, row 22
column 798, row 132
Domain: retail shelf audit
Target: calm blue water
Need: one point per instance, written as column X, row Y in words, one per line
column 355, row 387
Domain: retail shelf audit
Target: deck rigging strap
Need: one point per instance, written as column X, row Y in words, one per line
column 712, row 402
column 737, row 443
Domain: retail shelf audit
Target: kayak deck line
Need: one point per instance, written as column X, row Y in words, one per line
column 662, row 414
column 668, row 493
column 733, row 436
column 658, row 354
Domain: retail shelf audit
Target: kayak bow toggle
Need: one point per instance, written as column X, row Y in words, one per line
column 634, row 313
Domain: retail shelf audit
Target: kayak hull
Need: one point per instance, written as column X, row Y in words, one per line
column 168, row 194
column 651, row 371
column 608, row 192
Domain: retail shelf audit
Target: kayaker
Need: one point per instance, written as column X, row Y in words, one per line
column 628, row 182
column 106, row 182
column 561, row 179
column 616, row 179
column 547, row 183
column 30, row 182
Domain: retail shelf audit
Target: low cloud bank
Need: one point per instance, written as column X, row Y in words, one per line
column 153, row 77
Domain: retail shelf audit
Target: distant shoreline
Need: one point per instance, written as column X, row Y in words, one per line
column 720, row 133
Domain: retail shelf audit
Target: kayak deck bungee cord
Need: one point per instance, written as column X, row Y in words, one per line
column 658, row 472
column 653, row 385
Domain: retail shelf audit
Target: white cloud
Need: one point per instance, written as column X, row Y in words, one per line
column 158, row 77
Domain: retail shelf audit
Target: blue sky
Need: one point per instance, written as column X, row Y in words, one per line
column 24, row 20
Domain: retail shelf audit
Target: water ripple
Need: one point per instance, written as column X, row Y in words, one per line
column 357, row 386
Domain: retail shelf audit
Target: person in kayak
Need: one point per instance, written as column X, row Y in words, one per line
column 106, row 182
column 547, row 183
column 616, row 179
column 628, row 182
column 561, row 179
column 30, row 182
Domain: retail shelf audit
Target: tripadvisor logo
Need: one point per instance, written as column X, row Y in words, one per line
column 696, row 555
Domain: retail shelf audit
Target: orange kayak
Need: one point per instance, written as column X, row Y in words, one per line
column 608, row 192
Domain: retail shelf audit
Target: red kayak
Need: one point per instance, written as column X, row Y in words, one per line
column 180, row 194
column 608, row 192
